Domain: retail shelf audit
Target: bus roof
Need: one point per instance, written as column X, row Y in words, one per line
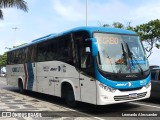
column 89, row 29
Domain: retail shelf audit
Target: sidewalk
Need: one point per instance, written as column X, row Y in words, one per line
column 19, row 105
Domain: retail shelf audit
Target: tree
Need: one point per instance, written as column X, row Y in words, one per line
column 118, row 25
column 106, row 25
column 115, row 25
column 3, row 60
column 19, row 4
column 150, row 34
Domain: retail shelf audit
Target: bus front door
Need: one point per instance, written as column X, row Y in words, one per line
column 87, row 82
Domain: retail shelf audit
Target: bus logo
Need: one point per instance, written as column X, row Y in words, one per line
column 121, row 84
column 129, row 84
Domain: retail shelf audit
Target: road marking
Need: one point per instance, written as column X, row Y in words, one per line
column 145, row 105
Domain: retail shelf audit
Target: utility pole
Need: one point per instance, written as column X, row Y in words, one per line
column 86, row 12
column 15, row 28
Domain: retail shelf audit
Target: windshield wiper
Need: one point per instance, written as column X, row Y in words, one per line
column 130, row 54
column 124, row 54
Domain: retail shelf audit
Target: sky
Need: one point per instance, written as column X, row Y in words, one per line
column 53, row 16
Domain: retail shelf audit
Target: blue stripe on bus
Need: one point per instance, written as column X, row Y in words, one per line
column 120, row 84
column 30, row 76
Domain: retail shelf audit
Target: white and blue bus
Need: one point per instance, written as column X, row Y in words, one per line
column 95, row 65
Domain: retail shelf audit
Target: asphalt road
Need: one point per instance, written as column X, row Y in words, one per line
column 138, row 109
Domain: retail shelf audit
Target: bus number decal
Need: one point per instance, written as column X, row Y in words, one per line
column 17, row 69
column 107, row 40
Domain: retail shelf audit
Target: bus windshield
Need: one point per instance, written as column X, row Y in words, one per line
column 120, row 53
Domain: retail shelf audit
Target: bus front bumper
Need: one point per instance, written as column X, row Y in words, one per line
column 105, row 97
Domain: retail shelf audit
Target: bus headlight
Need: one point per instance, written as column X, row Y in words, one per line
column 109, row 89
column 148, row 85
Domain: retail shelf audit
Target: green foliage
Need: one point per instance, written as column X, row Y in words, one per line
column 150, row 33
column 19, row 4
column 118, row 25
column 150, row 30
column 130, row 28
column 115, row 25
column 157, row 45
column 106, row 25
column 3, row 59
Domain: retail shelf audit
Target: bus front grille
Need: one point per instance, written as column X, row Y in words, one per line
column 132, row 89
column 128, row 97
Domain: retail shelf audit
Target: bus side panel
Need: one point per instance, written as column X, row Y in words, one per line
column 13, row 73
column 51, row 74
column 74, row 82
column 43, row 78
column 67, row 73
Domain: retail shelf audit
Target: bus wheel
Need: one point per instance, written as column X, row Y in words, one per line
column 20, row 86
column 70, row 98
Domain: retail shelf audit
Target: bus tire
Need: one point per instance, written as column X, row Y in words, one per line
column 20, row 86
column 68, row 95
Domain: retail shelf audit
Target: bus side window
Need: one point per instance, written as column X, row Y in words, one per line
column 65, row 49
column 86, row 61
column 9, row 56
column 42, row 50
column 85, row 57
column 17, row 57
column 12, row 58
column 24, row 55
column 51, row 50
column 33, row 53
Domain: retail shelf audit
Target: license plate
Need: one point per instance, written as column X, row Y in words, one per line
column 133, row 95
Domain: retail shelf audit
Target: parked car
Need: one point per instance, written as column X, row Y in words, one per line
column 3, row 74
column 155, row 81
column 153, row 66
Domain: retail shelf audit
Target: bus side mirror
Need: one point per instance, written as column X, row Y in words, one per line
column 94, row 47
